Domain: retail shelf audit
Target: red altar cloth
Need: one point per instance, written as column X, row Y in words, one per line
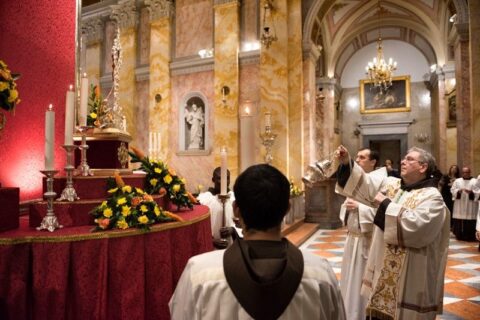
column 73, row 273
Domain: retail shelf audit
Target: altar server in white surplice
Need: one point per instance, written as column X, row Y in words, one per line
column 464, row 193
column 262, row 276
column 211, row 200
column 359, row 221
column 405, row 270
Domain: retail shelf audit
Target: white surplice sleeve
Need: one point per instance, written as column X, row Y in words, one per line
column 182, row 304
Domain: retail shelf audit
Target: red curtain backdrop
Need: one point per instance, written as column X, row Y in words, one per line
column 38, row 41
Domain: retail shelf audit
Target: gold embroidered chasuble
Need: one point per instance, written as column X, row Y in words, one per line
column 406, row 264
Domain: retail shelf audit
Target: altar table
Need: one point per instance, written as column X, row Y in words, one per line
column 73, row 273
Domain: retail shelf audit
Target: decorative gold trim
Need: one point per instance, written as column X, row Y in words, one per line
column 111, row 234
column 405, row 108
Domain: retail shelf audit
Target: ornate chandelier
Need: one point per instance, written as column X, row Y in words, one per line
column 378, row 70
column 268, row 35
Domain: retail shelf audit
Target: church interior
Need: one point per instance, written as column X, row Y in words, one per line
column 198, row 84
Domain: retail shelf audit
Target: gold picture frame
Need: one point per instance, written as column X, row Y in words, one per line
column 395, row 99
column 452, row 108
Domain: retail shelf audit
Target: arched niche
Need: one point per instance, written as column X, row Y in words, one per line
column 193, row 115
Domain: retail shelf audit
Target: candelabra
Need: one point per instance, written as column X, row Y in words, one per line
column 83, row 168
column 268, row 139
column 225, row 232
column 50, row 221
column 69, row 192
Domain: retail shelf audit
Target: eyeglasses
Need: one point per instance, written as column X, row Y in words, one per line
column 410, row 159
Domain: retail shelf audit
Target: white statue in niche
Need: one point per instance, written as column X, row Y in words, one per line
column 195, row 119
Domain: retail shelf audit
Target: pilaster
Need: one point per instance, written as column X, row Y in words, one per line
column 474, row 14
column 160, row 95
column 226, row 75
column 125, row 16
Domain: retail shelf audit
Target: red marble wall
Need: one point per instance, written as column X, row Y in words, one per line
column 38, row 41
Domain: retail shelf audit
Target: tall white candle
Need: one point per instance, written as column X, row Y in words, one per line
column 223, row 171
column 82, row 116
column 69, row 116
column 150, row 144
column 268, row 119
column 159, row 142
column 49, row 137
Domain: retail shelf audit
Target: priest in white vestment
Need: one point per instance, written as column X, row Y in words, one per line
column 464, row 192
column 262, row 276
column 359, row 221
column 405, row 271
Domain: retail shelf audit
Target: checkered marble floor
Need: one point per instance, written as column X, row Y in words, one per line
column 462, row 277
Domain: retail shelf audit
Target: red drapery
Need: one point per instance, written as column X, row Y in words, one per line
column 75, row 274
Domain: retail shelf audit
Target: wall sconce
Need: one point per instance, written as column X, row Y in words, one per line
column 158, row 98
column 225, row 93
column 269, row 34
column 422, row 137
column 320, row 97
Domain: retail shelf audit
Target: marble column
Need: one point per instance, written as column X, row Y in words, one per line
column 125, row 16
column 160, row 96
column 325, row 118
column 474, row 11
column 226, row 81
column 464, row 110
column 274, row 83
column 311, row 53
column 296, row 139
column 439, row 119
column 92, row 31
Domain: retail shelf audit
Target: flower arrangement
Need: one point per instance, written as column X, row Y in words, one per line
column 163, row 180
column 295, row 191
column 8, row 88
column 94, row 103
column 129, row 207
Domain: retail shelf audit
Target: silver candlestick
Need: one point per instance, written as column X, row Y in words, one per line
column 225, row 233
column 69, row 192
column 83, row 168
column 50, row 221
column 268, row 139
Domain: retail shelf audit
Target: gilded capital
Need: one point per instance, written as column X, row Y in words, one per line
column 93, row 29
column 124, row 14
column 159, row 9
column 219, row 2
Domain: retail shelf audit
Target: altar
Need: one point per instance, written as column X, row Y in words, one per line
column 74, row 273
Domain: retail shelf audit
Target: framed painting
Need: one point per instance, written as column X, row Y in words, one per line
column 395, row 99
column 452, row 109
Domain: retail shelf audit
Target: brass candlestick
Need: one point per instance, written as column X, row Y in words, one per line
column 50, row 221
column 69, row 192
column 268, row 139
column 83, row 168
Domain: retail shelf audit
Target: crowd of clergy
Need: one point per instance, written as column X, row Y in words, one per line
column 395, row 254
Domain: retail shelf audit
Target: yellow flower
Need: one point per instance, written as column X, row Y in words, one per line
column 143, row 219
column 3, row 85
column 122, row 224
column 157, row 170
column 156, row 211
column 112, row 190
column 167, row 179
column 153, row 182
column 139, row 191
column 127, row 189
column 143, row 208
column 104, row 204
column 184, row 181
column 13, row 95
column 176, row 188
column 107, row 212
column 93, row 115
column 121, row 201
column 125, row 211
